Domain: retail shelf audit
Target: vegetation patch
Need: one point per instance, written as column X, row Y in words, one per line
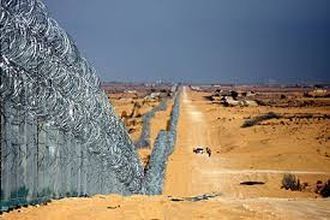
column 323, row 189
column 291, row 182
column 256, row 120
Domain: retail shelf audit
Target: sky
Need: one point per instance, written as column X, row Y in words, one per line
column 206, row 41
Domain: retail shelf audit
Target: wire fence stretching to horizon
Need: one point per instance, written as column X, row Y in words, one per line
column 59, row 134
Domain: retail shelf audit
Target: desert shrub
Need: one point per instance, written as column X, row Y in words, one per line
column 234, row 94
column 325, row 192
column 323, row 188
column 260, row 118
column 290, row 181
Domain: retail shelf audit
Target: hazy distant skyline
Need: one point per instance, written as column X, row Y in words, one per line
column 205, row 41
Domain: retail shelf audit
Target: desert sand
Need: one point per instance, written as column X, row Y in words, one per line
column 259, row 153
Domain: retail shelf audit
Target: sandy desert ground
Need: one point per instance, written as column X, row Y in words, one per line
column 264, row 153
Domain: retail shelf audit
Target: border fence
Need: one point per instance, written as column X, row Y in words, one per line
column 144, row 139
column 163, row 148
column 59, row 134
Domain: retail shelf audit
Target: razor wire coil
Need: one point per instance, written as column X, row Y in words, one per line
column 51, row 92
column 44, row 76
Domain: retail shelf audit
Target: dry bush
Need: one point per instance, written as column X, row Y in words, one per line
column 253, row 121
column 323, row 188
column 291, row 182
column 325, row 192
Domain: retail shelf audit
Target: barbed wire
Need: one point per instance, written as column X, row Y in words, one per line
column 163, row 148
column 51, row 97
column 144, row 139
column 44, row 76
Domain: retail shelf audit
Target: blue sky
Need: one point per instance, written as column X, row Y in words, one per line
column 201, row 40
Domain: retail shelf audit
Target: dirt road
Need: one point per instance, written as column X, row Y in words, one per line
column 194, row 174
